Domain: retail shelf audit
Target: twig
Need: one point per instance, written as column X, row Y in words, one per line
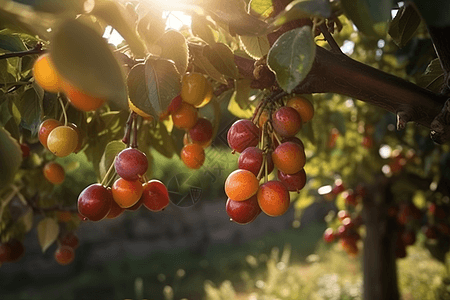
column 329, row 38
column 36, row 50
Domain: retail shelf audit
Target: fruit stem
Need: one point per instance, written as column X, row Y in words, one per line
column 260, row 173
column 111, row 167
column 63, row 110
column 36, row 50
column 266, row 175
column 276, row 137
column 126, row 137
column 134, row 143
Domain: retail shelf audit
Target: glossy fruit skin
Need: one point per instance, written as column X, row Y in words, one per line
column 94, row 202
column 243, row 134
column 115, row 211
column 80, row 137
column 54, row 173
column 70, row 240
column 304, row 108
column 241, row 185
column 293, row 182
column 252, row 159
column 45, row 128
column 243, row 212
column 155, row 196
column 126, row 193
column 64, row 255
column 202, row 131
column 45, row 74
column 273, row 198
column 193, row 156
column 80, row 99
column 286, row 121
column 130, row 164
column 293, row 139
column 187, row 140
column 289, row 158
column 25, row 150
column 62, row 141
column 195, row 89
column 328, row 235
column 175, row 104
column 185, row 117
column 11, row 251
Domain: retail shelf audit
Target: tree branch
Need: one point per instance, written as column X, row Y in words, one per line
column 36, row 50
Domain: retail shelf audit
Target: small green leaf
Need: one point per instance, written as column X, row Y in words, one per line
column 222, row 58
column 11, row 42
column 151, row 27
column 163, row 84
column 117, row 16
column 242, row 93
column 433, row 77
column 30, row 108
column 299, row 9
column 137, row 89
column 161, row 140
column 404, row 25
column 292, row 56
column 200, row 61
column 202, row 28
column 27, row 220
column 47, row 231
column 255, row 46
column 112, row 149
column 263, row 8
column 10, row 157
column 174, row 47
column 84, row 58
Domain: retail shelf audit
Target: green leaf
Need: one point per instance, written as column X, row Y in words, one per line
column 84, row 58
column 163, row 84
column 433, row 77
column 117, row 16
column 242, row 93
column 365, row 14
column 263, row 8
column 255, row 46
column 5, row 75
column 404, row 25
column 292, row 56
column 10, row 157
column 174, row 47
column 202, row 28
column 222, row 58
column 111, row 150
column 161, row 141
column 47, row 231
column 151, row 27
column 234, row 108
column 299, row 9
column 11, row 42
column 27, row 220
column 30, row 108
column 137, row 90
column 200, row 61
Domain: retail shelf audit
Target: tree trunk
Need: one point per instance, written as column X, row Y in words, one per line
column 379, row 259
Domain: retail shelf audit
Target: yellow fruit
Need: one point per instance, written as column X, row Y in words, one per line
column 62, row 141
column 45, row 74
column 195, row 89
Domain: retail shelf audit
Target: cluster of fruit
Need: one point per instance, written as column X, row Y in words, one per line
column 130, row 191
column 271, row 143
column 46, row 76
column 65, row 253
column 60, row 139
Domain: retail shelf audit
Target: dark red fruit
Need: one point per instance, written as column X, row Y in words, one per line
column 70, row 239
column 64, row 255
column 202, row 131
column 286, row 121
column 243, row 134
column 408, row 238
column 293, row 182
column 11, row 251
column 243, row 212
column 95, row 202
column 342, row 232
column 338, row 187
column 155, row 196
column 136, row 206
column 348, row 223
column 342, row 214
column 25, row 150
column 350, row 198
column 131, row 163
column 328, row 235
column 293, row 139
column 175, row 104
column 251, row 159
column 116, row 210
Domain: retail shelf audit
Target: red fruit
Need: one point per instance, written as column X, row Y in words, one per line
column 408, row 238
column 202, row 131
column 273, row 198
column 11, row 251
column 25, row 150
column 155, row 196
column 367, row 142
column 45, row 128
column 243, row 134
column 328, row 235
column 286, row 121
column 136, row 206
column 293, row 182
column 251, row 159
column 131, row 163
column 243, row 212
column 126, row 193
column 289, row 158
column 342, row 232
column 175, row 104
column 348, row 223
column 64, row 255
column 342, row 214
column 350, row 198
column 293, row 139
column 115, row 211
column 193, row 156
column 70, row 239
column 338, row 187
column 94, row 202
column 333, row 138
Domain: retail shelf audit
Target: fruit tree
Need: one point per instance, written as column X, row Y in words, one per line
column 342, row 101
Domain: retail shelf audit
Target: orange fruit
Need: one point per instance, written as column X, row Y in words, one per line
column 273, row 198
column 54, row 172
column 127, row 193
column 62, row 141
column 303, row 107
column 185, row 117
column 45, row 74
column 79, row 99
column 193, row 156
column 241, row 185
